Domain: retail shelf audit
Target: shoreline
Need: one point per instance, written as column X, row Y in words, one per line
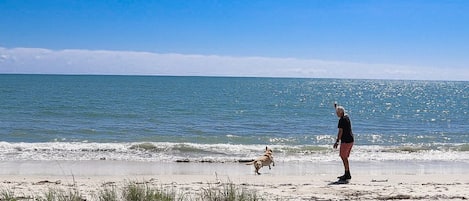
column 119, row 168
column 383, row 180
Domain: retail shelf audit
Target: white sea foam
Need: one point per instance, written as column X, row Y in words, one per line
column 170, row 152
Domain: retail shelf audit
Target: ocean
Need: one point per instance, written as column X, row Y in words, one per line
column 228, row 119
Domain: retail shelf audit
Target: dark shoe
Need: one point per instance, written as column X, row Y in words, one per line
column 344, row 178
column 348, row 177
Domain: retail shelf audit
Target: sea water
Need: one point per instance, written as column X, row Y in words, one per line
column 227, row 119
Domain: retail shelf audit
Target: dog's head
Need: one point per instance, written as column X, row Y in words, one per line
column 268, row 150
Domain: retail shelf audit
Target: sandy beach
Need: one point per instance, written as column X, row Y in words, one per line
column 426, row 180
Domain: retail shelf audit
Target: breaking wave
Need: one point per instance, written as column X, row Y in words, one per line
column 221, row 153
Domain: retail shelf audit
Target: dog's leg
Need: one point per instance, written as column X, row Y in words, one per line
column 257, row 171
column 258, row 166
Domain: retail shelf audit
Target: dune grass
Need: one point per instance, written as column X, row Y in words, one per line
column 7, row 194
column 141, row 191
column 228, row 192
column 61, row 195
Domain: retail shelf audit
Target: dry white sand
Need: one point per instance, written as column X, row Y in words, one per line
column 285, row 181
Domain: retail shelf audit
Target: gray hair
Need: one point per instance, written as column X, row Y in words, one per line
column 340, row 108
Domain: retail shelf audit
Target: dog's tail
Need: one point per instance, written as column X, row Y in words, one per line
column 250, row 163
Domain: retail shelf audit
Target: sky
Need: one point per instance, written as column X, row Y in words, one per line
column 361, row 39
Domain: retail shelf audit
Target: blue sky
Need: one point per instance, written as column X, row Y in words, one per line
column 392, row 39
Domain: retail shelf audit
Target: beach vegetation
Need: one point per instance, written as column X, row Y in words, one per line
column 7, row 195
column 55, row 194
column 228, row 192
column 108, row 194
column 143, row 191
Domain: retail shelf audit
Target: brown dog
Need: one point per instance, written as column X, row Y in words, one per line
column 264, row 160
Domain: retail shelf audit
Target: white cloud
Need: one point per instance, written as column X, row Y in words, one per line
column 44, row 61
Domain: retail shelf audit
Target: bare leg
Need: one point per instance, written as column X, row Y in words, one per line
column 347, row 169
column 346, row 164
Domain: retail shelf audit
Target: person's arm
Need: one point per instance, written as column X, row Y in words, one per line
column 339, row 136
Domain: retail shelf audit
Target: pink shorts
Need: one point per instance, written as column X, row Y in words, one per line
column 345, row 149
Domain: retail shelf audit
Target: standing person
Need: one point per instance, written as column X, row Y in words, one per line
column 345, row 137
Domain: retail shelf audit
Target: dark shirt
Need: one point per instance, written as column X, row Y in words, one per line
column 347, row 135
